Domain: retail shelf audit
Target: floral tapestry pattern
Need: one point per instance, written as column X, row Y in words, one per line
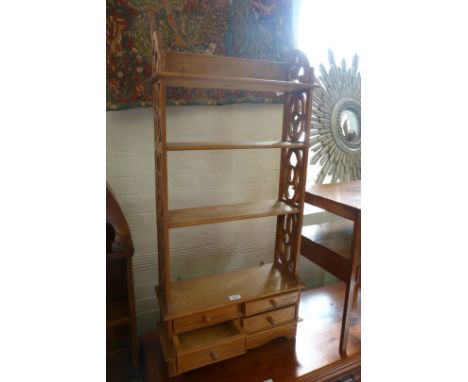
column 243, row 28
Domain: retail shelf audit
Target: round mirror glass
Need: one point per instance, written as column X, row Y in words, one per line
column 349, row 124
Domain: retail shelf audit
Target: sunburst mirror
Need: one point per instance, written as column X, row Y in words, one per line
column 335, row 138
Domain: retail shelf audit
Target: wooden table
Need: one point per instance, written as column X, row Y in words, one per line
column 337, row 247
column 311, row 357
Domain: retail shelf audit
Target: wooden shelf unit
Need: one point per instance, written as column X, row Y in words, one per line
column 261, row 303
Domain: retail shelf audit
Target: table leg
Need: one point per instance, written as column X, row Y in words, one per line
column 350, row 286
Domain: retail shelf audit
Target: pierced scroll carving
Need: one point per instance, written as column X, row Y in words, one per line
column 295, row 114
column 287, row 244
column 292, row 176
column 156, row 62
column 296, row 126
column 299, row 68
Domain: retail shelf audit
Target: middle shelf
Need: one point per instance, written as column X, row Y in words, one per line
column 215, row 214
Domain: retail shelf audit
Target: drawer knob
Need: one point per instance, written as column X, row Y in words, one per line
column 214, row 355
column 207, row 319
column 270, row 320
column 273, row 303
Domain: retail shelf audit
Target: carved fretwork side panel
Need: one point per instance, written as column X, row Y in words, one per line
column 160, row 156
column 293, row 172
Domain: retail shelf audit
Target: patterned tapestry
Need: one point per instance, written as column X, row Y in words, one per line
column 259, row 29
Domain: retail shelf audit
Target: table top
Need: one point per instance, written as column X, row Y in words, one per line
column 347, row 195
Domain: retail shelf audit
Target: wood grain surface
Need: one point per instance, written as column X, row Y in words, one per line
column 312, row 356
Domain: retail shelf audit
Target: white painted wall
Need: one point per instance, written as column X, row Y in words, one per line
column 197, row 178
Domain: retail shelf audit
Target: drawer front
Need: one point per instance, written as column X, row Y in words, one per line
column 210, row 355
column 269, row 320
column 269, row 303
column 205, row 318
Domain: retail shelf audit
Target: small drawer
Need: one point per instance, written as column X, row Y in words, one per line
column 269, row 303
column 209, row 345
column 268, row 320
column 206, row 318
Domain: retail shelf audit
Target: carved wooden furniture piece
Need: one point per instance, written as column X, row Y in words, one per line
column 212, row 318
column 336, row 246
column 311, row 357
column 122, row 352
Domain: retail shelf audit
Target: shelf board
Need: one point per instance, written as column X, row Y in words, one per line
column 117, row 313
column 215, row 214
column 213, row 291
column 336, row 236
column 233, row 83
column 181, row 146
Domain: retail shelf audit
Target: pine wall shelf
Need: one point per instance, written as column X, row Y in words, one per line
column 211, row 318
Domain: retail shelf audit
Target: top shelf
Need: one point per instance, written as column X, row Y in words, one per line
column 232, row 83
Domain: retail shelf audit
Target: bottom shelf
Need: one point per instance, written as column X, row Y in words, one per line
column 222, row 289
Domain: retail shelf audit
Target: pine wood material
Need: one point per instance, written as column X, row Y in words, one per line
column 184, row 146
column 312, row 356
column 203, row 346
column 181, row 302
column 336, row 247
column 282, row 331
column 179, row 62
column 215, row 214
column 206, row 337
column 198, row 320
column 230, row 83
column 270, row 303
column 269, row 320
column 190, row 296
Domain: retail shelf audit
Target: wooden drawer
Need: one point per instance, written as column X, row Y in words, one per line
column 205, row 318
column 269, row 303
column 268, row 320
column 208, row 345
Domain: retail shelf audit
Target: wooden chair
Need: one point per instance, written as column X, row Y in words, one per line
column 121, row 333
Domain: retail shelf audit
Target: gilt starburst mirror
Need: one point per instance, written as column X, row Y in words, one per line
column 335, row 138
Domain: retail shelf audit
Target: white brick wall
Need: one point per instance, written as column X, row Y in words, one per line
column 197, row 179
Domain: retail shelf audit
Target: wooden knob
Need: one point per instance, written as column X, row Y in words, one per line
column 214, row 355
column 273, row 303
column 270, row 320
column 207, row 319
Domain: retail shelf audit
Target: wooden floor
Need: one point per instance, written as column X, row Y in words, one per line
column 312, row 356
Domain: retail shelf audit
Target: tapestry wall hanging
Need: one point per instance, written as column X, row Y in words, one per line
column 260, row 29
